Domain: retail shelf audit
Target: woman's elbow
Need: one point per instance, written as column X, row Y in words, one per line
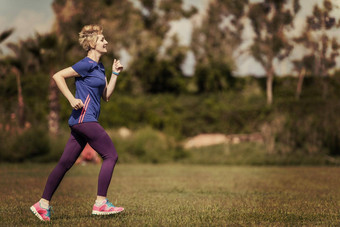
column 55, row 76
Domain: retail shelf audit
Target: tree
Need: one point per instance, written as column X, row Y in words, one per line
column 50, row 51
column 303, row 67
column 5, row 34
column 269, row 20
column 3, row 64
column 35, row 56
column 214, row 44
column 321, row 48
column 18, row 65
column 317, row 26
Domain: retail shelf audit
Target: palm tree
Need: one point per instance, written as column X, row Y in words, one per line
column 18, row 65
column 50, row 50
column 4, row 35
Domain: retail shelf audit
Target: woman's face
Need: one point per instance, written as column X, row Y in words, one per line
column 101, row 44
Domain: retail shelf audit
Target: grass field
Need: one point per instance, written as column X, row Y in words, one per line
column 178, row 195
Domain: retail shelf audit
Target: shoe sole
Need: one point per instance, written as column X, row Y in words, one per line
column 94, row 212
column 35, row 212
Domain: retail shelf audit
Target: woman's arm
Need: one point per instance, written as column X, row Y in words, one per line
column 109, row 87
column 59, row 78
column 117, row 68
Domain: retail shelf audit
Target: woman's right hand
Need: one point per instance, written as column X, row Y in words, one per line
column 77, row 104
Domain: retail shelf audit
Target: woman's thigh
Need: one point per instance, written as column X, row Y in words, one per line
column 97, row 137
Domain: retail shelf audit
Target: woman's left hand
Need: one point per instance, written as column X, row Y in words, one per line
column 117, row 67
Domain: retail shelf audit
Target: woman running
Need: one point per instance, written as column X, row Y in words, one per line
column 91, row 86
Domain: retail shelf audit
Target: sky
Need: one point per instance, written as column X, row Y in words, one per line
column 26, row 16
column 30, row 16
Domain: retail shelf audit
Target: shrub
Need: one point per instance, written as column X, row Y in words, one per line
column 28, row 145
column 249, row 153
column 57, row 144
column 4, row 145
column 146, row 145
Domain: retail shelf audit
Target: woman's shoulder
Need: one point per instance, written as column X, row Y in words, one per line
column 87, row 63
column 83, row 66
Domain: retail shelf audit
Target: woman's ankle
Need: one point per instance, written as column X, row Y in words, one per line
column 100, row 199
column 44, row 203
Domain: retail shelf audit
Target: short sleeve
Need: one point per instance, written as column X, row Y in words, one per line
column 82, row 67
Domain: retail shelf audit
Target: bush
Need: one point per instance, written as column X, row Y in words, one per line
column 249, row 153
column 57, row 144
column 309, row 126
column 30, row 144
column 4, row 145
column 304, row 128
column 186, row 115
column 146, row 145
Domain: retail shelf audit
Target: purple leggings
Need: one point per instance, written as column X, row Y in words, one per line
column 94, row 134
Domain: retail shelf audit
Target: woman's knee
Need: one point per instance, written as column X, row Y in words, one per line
column 113, row 157
column 116, row 158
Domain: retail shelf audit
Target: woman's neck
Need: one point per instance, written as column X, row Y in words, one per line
column 94, row 55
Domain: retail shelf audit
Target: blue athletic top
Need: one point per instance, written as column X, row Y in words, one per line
column 89, row 88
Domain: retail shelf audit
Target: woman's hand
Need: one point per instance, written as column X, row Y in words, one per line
column 77, row 104
column 116, row 66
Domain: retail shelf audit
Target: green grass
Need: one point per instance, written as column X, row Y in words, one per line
column 178, row 195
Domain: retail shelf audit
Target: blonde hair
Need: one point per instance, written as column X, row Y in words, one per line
column 88, row 36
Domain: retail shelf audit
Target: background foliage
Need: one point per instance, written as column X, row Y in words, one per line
column 160, row 105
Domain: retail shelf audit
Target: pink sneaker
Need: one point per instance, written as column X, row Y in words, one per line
column 41, row 213
column 106, row 208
